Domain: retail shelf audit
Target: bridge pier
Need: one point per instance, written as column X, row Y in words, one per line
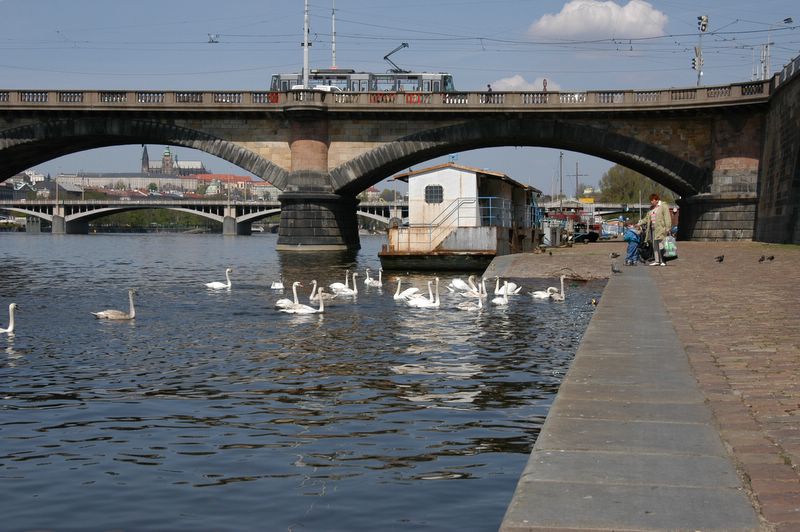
column 713, row 217
column 74, row 227
column 231, row 228
column 33, row 225
column 317, row 221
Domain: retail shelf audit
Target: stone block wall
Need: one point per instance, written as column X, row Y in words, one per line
column 779, row 183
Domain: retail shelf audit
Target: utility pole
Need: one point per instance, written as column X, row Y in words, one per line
column 333, row 35
column 560, row 183
column 697, row 62
column 305, row 46
column 577, row 175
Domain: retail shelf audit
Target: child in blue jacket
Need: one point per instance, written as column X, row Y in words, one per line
column 631, row 236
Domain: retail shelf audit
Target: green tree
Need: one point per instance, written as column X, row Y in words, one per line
column 623, row 185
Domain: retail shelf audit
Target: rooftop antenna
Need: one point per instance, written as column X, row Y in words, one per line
column 396, row 69
column 333, row 35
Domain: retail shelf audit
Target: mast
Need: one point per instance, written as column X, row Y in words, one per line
column 561, row 182
column 333, row 35
column 305, row 46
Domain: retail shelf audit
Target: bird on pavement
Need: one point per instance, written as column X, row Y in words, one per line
column 762, row 258
column 615, row 267
column 719, row 258
column 613, row 254
column 771, row 257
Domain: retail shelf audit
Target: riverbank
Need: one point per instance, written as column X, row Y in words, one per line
column 737, row 324
column 581, row 262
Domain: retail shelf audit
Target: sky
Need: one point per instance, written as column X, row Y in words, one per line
column 510, row 44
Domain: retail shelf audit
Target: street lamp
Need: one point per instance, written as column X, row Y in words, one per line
column 766, row 68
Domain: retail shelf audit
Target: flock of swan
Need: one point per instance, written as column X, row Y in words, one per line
column 474, row 295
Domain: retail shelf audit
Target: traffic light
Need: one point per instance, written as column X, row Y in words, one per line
column 702, row 22
column 694, row 63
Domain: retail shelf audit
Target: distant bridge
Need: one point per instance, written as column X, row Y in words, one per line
column 236, row 217
column 598, row 209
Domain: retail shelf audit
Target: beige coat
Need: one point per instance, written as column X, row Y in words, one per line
column 663, row 222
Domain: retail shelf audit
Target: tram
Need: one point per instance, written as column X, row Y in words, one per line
column 351, row 81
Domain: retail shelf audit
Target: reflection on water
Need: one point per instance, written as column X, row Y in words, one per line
column 213, row 410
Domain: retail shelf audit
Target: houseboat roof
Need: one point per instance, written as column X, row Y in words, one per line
column 478, row 171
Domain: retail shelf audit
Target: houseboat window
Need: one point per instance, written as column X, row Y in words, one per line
column 434, row 194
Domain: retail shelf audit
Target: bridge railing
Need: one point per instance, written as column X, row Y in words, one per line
column 490, row 101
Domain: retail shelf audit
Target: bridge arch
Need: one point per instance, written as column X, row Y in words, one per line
column 28, row 145
column 677, row 174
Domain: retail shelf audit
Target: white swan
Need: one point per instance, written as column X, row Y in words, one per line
column 277, row 285
column 369, row 281
column 544, row 294
column 11, row 308
column 305, row 309
column 118, row 314
column 458, row 284
column 513, row 288
column 424, row 302
column 338, row 286
column 217, row 285
column 559, row 296
column 285, row 302
column 502, row 300
column 315, row 295
column 346, row 291
column 405, row 294
column 471, row 305
column 476, row 291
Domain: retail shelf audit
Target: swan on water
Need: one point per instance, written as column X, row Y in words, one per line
column 502, row 300
column 277, row 285
column 471, row 305
column 10, row 330
column 285, row 302
column 513, row 288
column 305, row 309
column 544, row 294
column 559, row 296
column 405, row 294
column 111, row 314
column 476, row 291
column 369, row 281
column 459, row 285
column 424, row 302
column 339, row 286
column 347, row 291
column 315, row 294
column 217, row 285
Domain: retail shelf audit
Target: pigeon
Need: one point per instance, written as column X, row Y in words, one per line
column 551, row 253
column 593, row 302
column 771, row 257
column 761, row 259
column 613, row 254
column 720, row 258
column 615, row 267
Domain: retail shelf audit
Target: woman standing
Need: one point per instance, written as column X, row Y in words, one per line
column 657, row 223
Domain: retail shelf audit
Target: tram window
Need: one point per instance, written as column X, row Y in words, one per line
column 384, row 83
column 426, row 85
column 434, row 194
column 407, row 84
column 448, row 83
column 436, row 86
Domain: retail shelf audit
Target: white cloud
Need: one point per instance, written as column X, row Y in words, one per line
column 518, row 83
column 588, row 19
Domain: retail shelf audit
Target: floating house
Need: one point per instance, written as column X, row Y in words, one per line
column 460, row 218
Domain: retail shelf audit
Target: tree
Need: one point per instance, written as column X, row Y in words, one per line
column 388, row 195
column 623, row 185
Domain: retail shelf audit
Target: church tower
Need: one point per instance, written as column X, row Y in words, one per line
column 145, row 160
column 167, row 164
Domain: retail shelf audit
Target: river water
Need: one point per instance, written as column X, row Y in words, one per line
column 214, row 411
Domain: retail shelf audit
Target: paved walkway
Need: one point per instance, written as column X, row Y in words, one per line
column 739, row 323
column 629, row 443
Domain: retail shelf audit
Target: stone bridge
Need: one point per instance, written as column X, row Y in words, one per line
column 730, row 152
